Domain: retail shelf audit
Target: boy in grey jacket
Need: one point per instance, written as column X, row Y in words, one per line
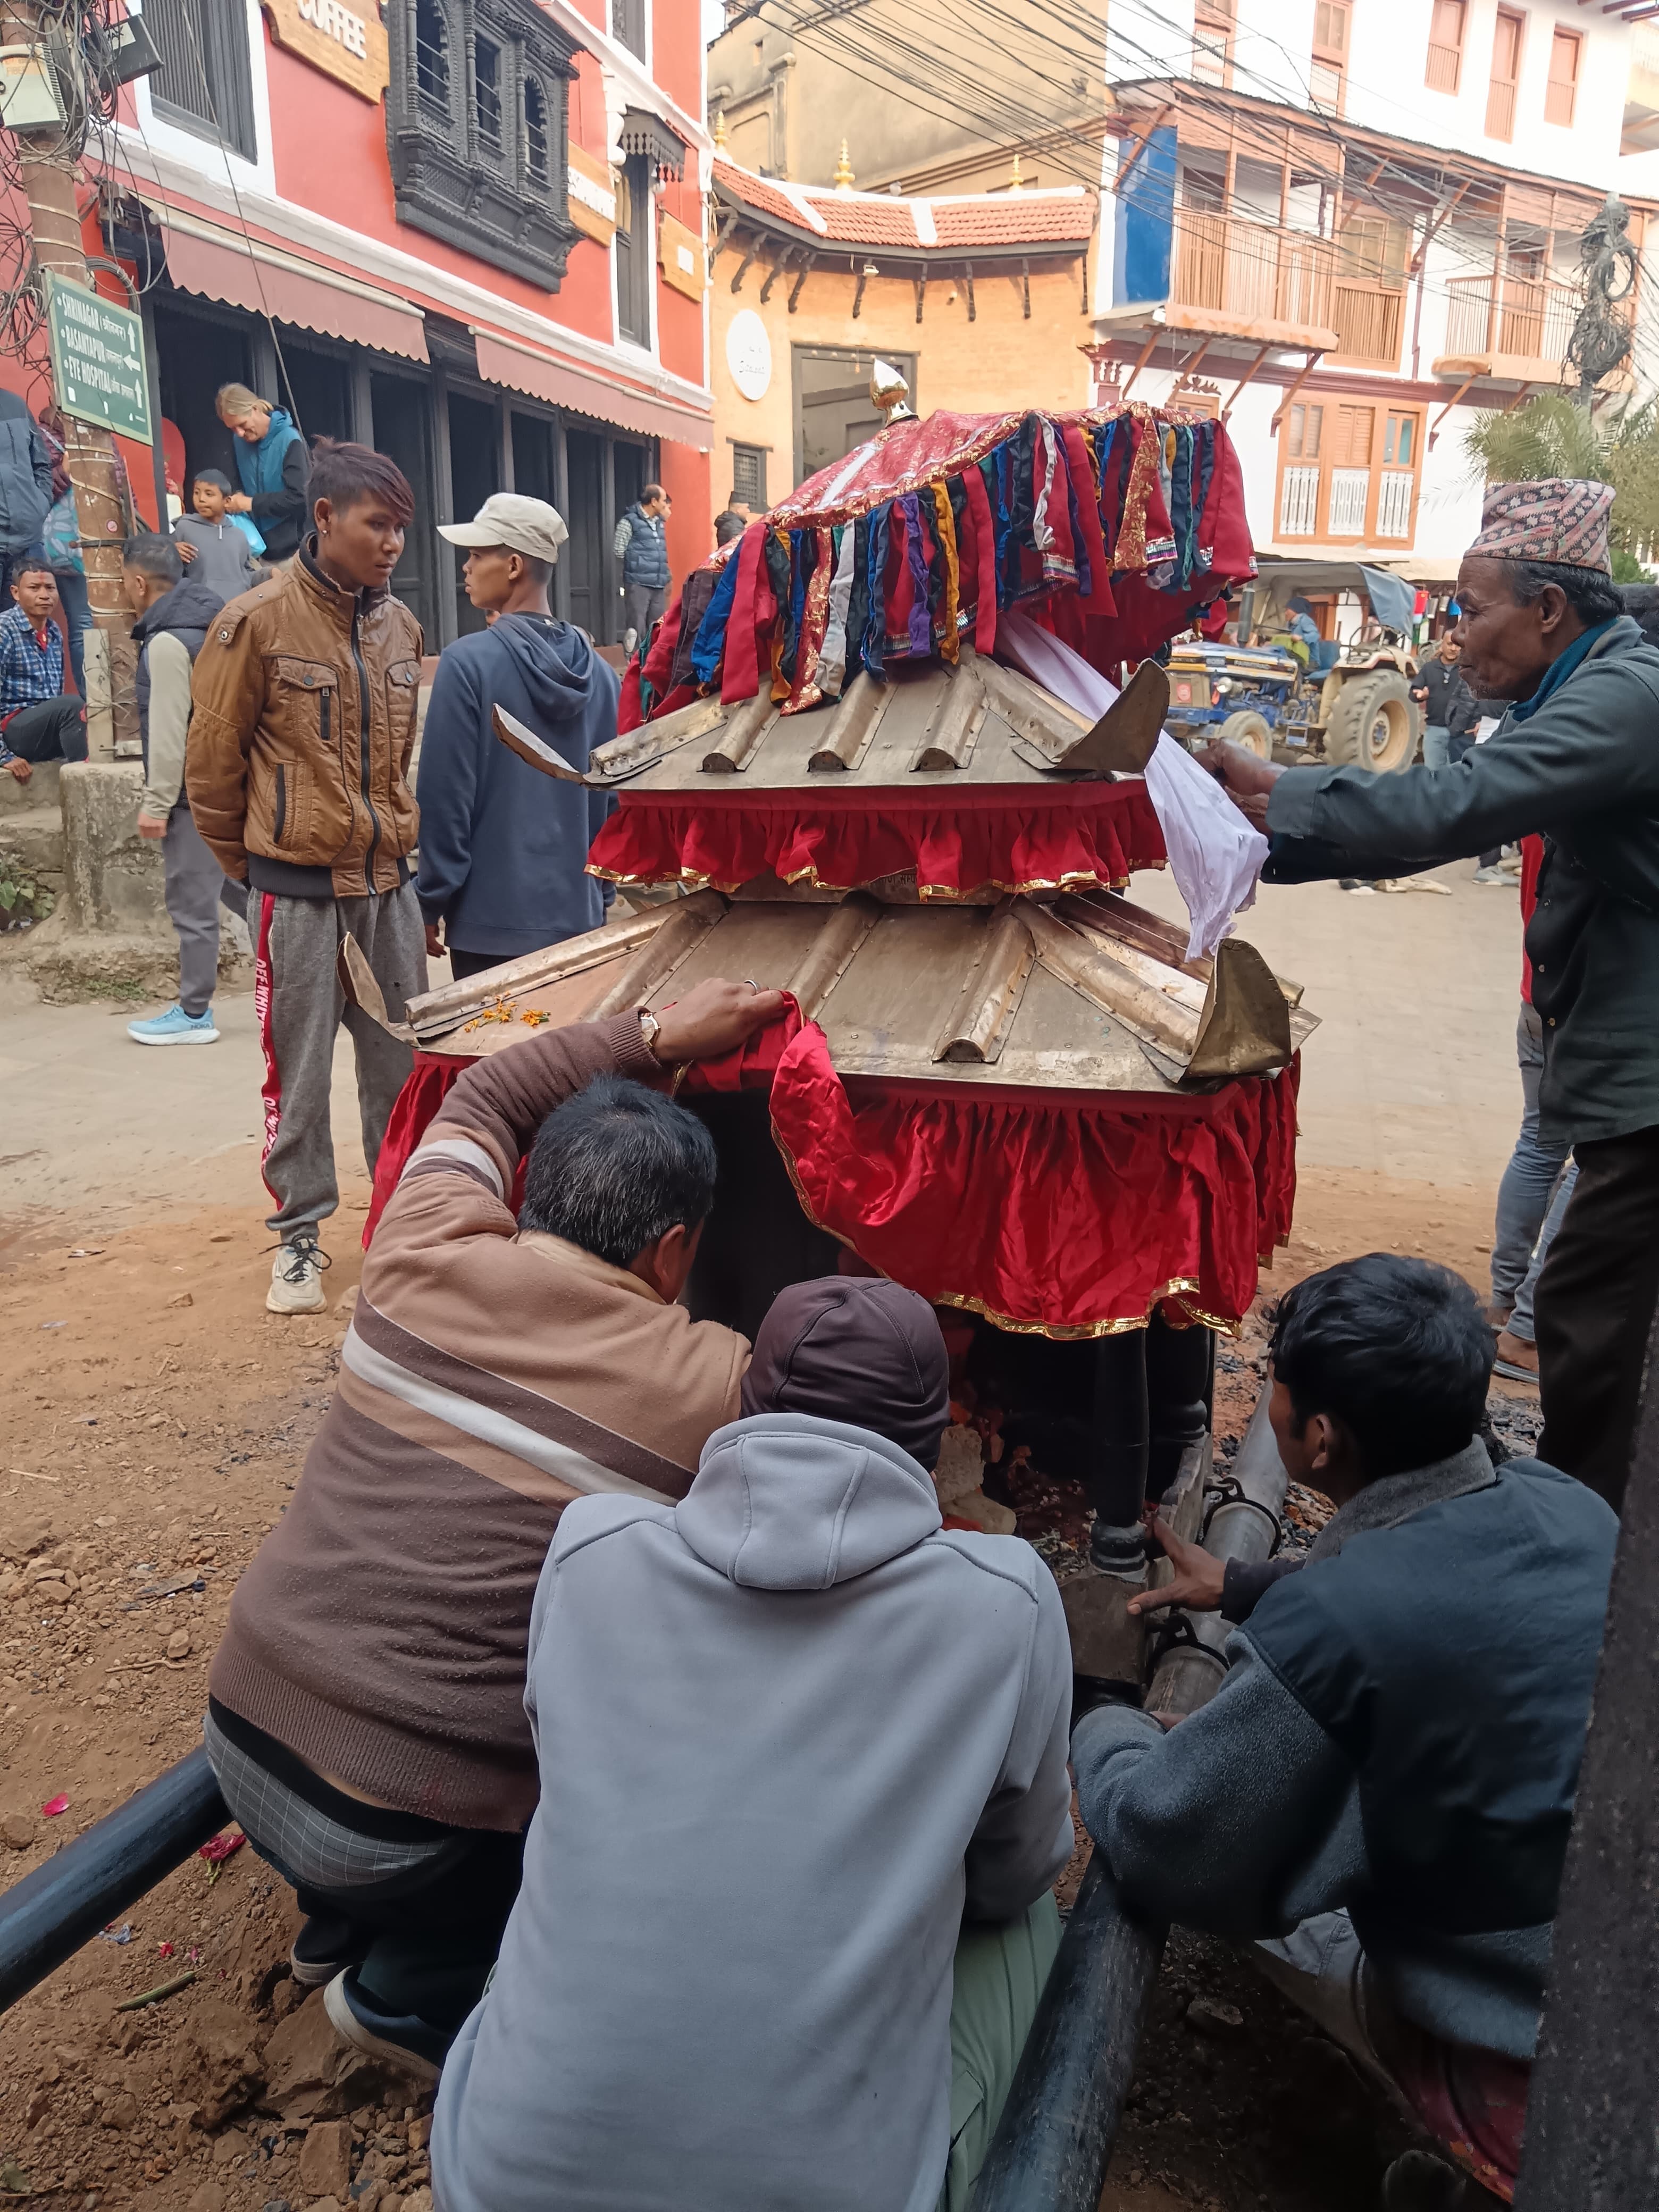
column 1380, row 1792
column 791, row 1736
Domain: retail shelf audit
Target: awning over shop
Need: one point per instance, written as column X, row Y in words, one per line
column 585, row 392
column 246, row 272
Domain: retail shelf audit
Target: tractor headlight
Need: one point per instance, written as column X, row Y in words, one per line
column 1223, row 685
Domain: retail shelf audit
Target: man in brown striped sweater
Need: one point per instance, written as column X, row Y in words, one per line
column 366, row 1715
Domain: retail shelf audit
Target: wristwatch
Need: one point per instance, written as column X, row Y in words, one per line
column 649, row 1029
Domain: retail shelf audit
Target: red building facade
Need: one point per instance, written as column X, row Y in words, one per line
column 468, row 232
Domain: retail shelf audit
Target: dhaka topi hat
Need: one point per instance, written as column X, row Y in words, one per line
column 1562, row 520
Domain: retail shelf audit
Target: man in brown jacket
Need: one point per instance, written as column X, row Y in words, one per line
column 302, row 726
column 366, row 1716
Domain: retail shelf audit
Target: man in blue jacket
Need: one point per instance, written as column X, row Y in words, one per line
column 1379, row 1794
column 503, row 848
column 274, row 464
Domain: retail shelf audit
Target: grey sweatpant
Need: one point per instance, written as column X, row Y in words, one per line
column 193, row 880
column 300, row 1006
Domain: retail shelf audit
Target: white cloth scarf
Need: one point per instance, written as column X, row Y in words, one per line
column 1215, row 856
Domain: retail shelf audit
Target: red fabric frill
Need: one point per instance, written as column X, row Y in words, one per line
column 1090, row 835
column 1068, row 1215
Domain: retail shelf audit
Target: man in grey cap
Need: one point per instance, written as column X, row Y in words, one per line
column 503, row 847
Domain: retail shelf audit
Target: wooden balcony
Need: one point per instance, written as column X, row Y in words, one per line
column 1249, row 280
column 1513, row 328
column 1369, row 319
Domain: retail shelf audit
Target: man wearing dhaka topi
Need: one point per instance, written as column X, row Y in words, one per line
column 1574, row 759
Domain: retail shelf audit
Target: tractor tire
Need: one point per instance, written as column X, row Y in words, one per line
column 1248, row 729
column 1373, row 725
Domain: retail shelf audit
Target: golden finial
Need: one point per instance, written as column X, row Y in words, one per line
column 842, row 179
column 720, row 129
column 1015, row 181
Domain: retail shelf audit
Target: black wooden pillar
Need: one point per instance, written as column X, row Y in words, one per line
column 1117, row 1477
column 1180, row 1379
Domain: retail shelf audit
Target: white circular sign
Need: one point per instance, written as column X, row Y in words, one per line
column 748, row 354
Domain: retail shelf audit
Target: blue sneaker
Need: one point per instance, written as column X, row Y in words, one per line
column 175, row 1027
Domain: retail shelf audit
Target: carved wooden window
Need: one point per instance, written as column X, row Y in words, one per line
column 477, row 129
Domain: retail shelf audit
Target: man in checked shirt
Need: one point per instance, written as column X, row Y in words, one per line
column 38, row 720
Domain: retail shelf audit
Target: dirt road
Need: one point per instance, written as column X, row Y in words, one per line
column 155, row 1421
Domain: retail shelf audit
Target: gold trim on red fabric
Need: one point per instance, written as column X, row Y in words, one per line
column 1057, row 1332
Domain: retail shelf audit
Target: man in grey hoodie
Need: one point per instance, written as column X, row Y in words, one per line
column 786, row 1912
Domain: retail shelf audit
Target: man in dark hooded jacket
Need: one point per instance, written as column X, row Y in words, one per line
column 25, row 484
column 503, row 845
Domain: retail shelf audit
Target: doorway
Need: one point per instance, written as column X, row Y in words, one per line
column 834, row 410
column 316, row 389
column 475, row 474
column 195, row 354
column 590, row 554
column 402, row 432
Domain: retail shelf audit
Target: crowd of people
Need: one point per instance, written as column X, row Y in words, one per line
column 658, row 1776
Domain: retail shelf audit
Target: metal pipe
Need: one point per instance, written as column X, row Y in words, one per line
column 1054, row 2141
column 48, row 1916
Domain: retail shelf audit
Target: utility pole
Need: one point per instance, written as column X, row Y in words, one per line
column 1592, row 2140
column 49, row 166
column 1601, row 340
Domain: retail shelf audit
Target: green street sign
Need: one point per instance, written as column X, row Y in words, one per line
column 98, row 360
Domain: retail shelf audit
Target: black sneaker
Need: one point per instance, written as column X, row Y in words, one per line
column 325, row 1946
column 404, row 2041
column 1418, row 2181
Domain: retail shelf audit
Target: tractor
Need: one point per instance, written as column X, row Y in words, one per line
column 1344, row 699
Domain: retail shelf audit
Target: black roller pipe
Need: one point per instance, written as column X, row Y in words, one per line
column 1054, row 2141
column 48, row 1916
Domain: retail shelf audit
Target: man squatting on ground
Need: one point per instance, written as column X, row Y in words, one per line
column 297, row 772
column 174, row 613
column 828, row 1737
column 367, row 1718
column 1378, row 1795
column 1542, row 626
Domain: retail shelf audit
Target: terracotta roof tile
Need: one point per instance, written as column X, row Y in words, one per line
column 1013, row 219
column 958, row 224
column 865, row 221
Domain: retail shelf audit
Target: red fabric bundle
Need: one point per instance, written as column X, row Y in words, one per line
column 1090, row 835
column 1069, row 1214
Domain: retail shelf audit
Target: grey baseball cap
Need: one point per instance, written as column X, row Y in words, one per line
column 529, row 527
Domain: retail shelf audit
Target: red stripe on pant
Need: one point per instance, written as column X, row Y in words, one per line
column 271, row 1091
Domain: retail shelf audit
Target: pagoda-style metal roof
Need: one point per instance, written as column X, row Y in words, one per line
column 980, row 723
column 1090, row 993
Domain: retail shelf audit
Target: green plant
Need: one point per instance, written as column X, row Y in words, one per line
column 1554, row 436
column 21, row 898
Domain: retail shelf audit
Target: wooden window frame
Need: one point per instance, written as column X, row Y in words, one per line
column 1512, row 85
column 1215, row 23
column 1385, row 408
column 1452, row 53
column 1561, row 36
column 1334, row 57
